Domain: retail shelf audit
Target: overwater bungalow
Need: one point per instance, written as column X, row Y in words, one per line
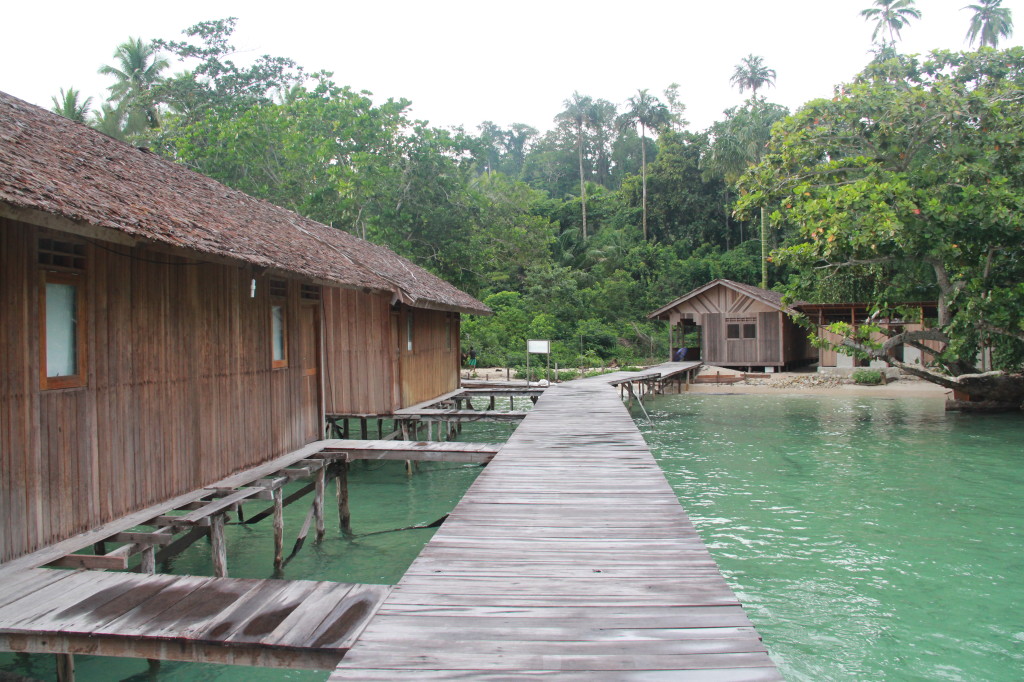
column 161, row 331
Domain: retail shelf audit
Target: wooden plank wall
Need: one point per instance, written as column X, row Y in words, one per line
column 180, row 391
column 769, row 338
column 359, row 353
column 432, row 368
column 719, row 306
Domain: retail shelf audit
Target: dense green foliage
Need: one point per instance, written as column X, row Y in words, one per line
column 906, row 186
column 548, row 229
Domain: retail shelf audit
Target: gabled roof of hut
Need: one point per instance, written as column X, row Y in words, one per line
column 766, row 296
column 61, row 168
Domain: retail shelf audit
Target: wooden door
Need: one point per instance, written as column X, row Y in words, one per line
column 309, row 359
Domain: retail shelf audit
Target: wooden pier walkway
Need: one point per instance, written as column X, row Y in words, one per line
column 570, row 558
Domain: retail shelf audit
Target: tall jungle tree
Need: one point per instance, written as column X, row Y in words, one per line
column 136, row 73
column 739, row 142
column 601, row 123
column 70, row 105
column 752, row 74
column 990, row 22
column 649, row 113
column 577, row 114
column 891, row 16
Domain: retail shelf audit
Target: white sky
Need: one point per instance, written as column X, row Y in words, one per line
column 463, row 62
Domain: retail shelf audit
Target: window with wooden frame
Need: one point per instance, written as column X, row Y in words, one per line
column 409, row 326
column 278, row 324
column 740, row 328
column 62, row 329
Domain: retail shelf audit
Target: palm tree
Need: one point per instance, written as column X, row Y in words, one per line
column 109, row 121
column 601, row 122
column 739, row 143
column 577, row 113
column 891, row 15
column 649, row 113
column 753, row 74
column 67, row 104
column 137, row 71
column 989, row 23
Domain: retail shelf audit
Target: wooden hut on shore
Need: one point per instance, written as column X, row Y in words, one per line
column 856, row 314
column 738, row 325
column 161, row 330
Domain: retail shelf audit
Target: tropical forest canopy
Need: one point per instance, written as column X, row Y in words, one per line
column 903, row 184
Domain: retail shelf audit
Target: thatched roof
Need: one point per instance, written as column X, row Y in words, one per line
column 62, row 168
column 770, row 298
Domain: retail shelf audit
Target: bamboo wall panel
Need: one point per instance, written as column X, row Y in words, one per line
column 180, row 390
column 432, row 367
column 359, row 353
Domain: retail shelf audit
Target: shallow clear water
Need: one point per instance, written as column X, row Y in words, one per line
column 868, row 539
column 382, row 498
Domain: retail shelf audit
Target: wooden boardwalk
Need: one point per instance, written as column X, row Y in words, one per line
column 569, row 557
column 273, row 623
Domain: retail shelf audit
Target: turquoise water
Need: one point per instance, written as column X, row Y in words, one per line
column 382, row 498
column 868, row 538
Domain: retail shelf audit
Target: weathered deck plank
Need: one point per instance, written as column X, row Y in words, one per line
column 568, row 558
column 282, row 623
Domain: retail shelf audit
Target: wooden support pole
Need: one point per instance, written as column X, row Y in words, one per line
column 65, row 668
column 430, row 429
column 148, row 559
column 344, row 430
column 99, row 548
column 380, row 429
column 278, row 530
column 491, row 404
column 341, row 483
column 318, row 502
column 362, row 428
column 219, row 546
column 408, row 467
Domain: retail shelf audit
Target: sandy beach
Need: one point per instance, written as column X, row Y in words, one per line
column 803, row 383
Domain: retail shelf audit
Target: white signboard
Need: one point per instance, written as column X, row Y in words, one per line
column 536, row 346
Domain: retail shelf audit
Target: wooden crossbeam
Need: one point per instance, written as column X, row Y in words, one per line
column 93, row 562
column 164, row 536
column 466, row 415
column 201, row 516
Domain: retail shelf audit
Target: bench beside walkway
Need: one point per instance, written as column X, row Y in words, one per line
column 570, row 558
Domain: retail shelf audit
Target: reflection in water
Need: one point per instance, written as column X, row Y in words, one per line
column 869, row 539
